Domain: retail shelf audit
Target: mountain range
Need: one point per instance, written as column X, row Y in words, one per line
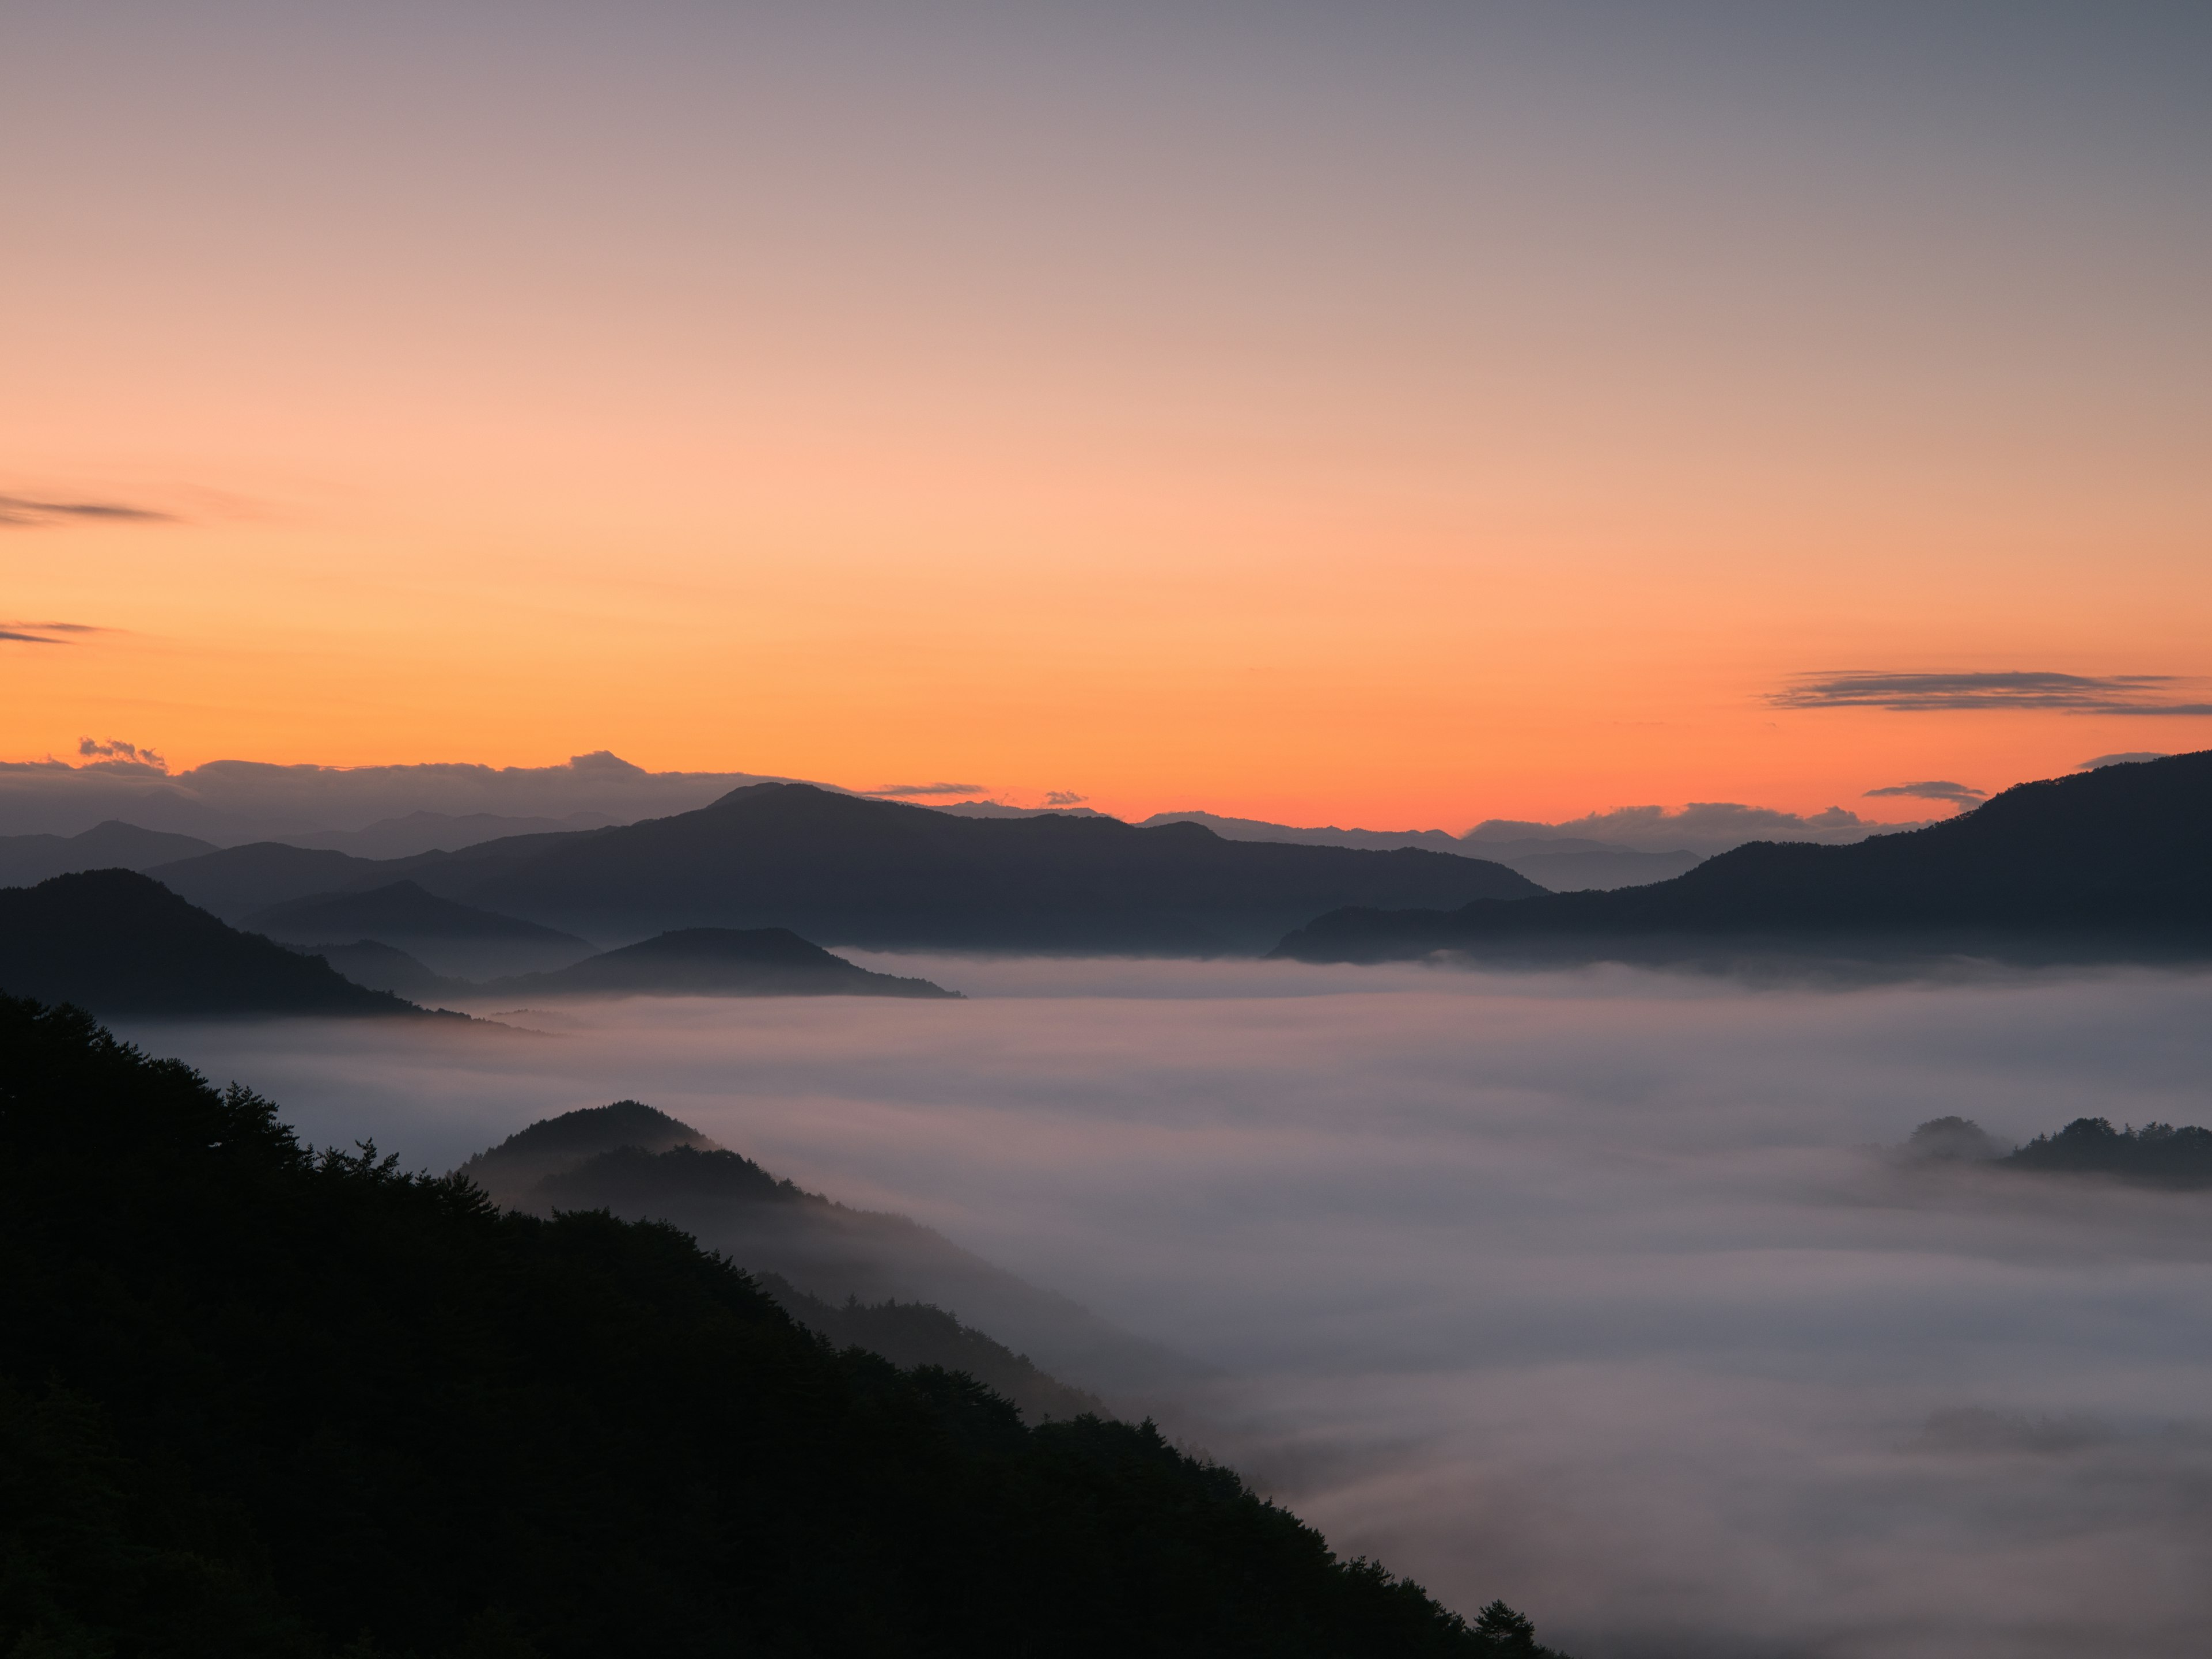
column 840, row 869
column 2111, row 864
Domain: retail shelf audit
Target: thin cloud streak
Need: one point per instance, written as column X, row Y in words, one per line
column 2072, row 693
column 904, row 790
column 22, row 512
column 1961, row 794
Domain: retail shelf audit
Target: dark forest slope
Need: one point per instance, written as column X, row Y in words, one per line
column 118, row 943
column 254, row 1401
column 2115, row 863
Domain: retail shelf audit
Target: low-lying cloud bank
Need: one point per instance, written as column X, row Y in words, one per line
column 1595, row 1291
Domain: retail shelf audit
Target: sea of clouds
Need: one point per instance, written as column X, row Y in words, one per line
column 1595, row 1292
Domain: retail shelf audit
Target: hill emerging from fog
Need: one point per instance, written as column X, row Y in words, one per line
column 26, row 861
column 840, row 869
column 259, row 1402
column 451, row 936
column 638, row 1163
column 119, row 943
column 757, row 961
column 2111, row 865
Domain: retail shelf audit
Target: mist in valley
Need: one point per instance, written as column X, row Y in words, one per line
column 1598, row 1291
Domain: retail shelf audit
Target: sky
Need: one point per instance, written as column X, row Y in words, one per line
column 1400, row 414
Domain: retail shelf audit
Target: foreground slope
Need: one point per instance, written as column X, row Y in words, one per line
column 255, row 1402
column 119, row 943
column 2114, row 864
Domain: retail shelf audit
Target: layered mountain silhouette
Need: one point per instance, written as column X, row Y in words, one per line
column 755, row 962
column 839, row 869
column 386, row 968
column 1559, row 864
column 641, row 1164
column 447, row 935
column 2114, row 864
column 234, row 882
column 116, row 942
column 26, row 861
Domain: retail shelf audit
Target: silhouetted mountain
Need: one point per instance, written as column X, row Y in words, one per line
column 757, row 961
column 235, row 882
column 119, row 943
column 2114, row 864
column 450, row 937
column 1559, row 864
column 386, row 968
column 26, row 861
column 256, row 1402
column 838, row 869
column 411, row 833
column 641, row 1163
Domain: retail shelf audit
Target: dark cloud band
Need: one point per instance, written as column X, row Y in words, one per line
column 21, row 512
column 2071, row 693
column 907, row 789
column 1964, row 795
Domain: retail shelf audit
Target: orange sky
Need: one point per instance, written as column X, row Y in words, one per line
column 1391, row 437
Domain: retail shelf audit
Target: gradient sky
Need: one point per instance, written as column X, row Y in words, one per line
column 1400, row 414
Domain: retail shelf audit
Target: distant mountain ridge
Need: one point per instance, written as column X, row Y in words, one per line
column 451, row 936
column 1559, row 864
column 26, row 861
column 840, row 869
column 2115, row 862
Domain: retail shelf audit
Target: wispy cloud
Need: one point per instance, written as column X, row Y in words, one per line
column 43, row 633
column 1962, row 794
column 2072, row 693
column 928, row 789
column 2121, row 759
column 22, row 512
column 1063, row 798
column 116, row 748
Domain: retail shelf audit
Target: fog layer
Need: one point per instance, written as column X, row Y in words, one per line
column 1588, row 1291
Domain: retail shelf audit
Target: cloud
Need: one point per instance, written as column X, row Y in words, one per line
column 41, row 633
column 1962, row 794
column 1588, row 1291
column 1063, row 798
column 906, row 789
column 2071, row 693
column 20, row 511
column 115, row 749
column 2122, row 759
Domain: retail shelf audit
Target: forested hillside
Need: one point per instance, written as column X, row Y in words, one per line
column 256, row 1400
